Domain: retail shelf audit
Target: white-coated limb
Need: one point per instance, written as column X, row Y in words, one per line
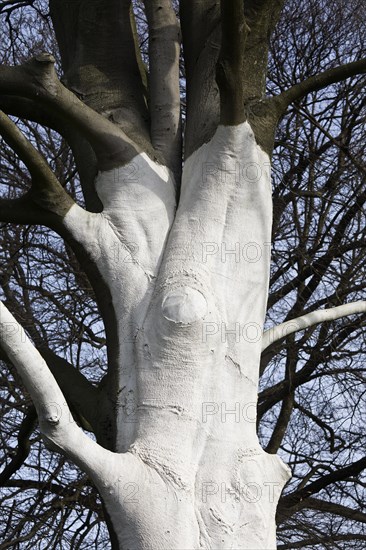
column 310, row 319
column 55, row 419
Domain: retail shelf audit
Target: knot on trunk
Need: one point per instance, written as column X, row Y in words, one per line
column 184, row 305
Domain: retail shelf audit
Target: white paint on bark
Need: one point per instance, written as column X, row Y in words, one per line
column 127, row 241
column 205, row 482
column 56, row 422
column 310, row 319
column 190, row 302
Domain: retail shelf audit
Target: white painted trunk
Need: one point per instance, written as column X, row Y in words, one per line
column 190, row 290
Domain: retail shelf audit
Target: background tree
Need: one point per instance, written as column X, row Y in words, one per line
column 311, row 394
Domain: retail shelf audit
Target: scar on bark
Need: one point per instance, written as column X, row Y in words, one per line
column 184, row 305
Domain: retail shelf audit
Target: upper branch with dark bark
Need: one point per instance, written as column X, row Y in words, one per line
column 201, row 33
column 319, row 81
column 102, row 62
column 37, row 80
column 46, row 191
column 230, row 63
column 340, row 474
column 164, row 93
column 26, row 429
column 85, row 160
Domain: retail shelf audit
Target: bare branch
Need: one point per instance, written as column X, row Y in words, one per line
column 164, row 51
column 310, row 319
column 69, row 493
column 319, row 81
column 54, row 415
column 25, row 431
column 230, row 62
column 46, row 189
column 317, row 540
column 319, row 504
column 36, row 164
column 37, row 80
column 335, row 508
column 340, row 474
column 327, row 429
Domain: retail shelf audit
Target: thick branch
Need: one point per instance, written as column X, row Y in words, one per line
column 261, row 17
column 37, row 80
column 80, row 394
column 319, row 81
column 312, row 503
column 230, row 63
column 102, row 62
column 85, row 160
column 78, row 391
column 22, row 211
column 309, row 320
column 334, row 508
column 287, row 402
column 54, row 416
column 87, row 402
column 31, row 109
column 36, row 164
column 46, row 189
column 164, row 51
column 201, row 33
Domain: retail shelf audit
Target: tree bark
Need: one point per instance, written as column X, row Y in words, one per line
column 187, row 379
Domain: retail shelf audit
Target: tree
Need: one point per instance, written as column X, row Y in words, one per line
column 178, row 258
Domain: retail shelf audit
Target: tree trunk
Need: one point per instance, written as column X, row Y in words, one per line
column 190, row 298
